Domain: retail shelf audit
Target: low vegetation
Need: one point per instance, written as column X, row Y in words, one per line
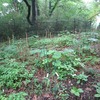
column 65, row 67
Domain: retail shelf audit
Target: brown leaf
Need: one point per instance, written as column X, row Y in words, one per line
column 88, row 89
column 34, row 97
column 46, row 95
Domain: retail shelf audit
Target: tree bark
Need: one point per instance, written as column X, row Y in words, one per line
column 33, row 11
column 29, row 11
column 53, row 8
column 50, row 7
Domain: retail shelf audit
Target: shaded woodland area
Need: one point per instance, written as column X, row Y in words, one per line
column 48, row 16
column 49, row 50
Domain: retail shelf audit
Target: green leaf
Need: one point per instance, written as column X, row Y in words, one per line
column 97, row 95
column 50, row 52
column 77, row 94
column 73, row 90
column 76, row 91
column 98, row 90
column 57, row 55
column 35, row 51
column 45, row 61
column 57, row 63
column 80, row 90
column 78, row 81
column 98, row 84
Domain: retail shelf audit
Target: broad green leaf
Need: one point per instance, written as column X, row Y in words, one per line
column 50, row 52
column 80, row 90
column 98, row 90
column 97, row 95
column 46, row 61
column 98, row 84
column 35, row 51
column 77, row 94
column 57, row 55
column 76, row 91
column 57, row 63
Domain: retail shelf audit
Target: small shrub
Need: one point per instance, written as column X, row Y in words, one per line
column 17, row 96
column 76, row 91
column 97, row 90
column 12, row 74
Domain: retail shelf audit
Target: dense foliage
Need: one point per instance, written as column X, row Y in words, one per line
column 32, row 66
column 52, row 50
column 51, row 16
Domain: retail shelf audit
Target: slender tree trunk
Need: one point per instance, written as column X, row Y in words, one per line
column 52, row 8
column 33, row 11
column 29, row 11
column 37, row 9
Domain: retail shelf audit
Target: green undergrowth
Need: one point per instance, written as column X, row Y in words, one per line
column 20, row 61
column 61, row 41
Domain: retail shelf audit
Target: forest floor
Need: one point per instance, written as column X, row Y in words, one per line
column 65, row 67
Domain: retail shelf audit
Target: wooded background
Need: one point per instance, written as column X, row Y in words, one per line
column 41, row 16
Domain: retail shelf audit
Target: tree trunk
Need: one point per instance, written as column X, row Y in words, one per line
column 33, row 11
column 29, row 11
column 37, row 9
column 51, row 9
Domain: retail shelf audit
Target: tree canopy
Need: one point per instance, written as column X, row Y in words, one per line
column 30, row 12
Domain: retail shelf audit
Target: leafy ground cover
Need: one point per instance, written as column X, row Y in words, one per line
column 65, row 67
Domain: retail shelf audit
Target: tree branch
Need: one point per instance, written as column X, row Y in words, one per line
column 29, row 11
column 51, row 10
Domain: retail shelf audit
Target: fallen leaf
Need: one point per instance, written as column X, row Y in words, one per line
column 46, row 95
column 34, row 97
column 88, row 89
